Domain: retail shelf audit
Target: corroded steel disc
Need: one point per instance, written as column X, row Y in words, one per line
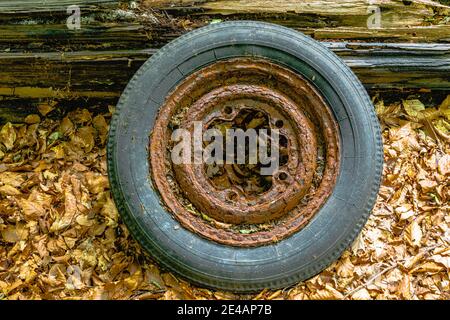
column 231, row 203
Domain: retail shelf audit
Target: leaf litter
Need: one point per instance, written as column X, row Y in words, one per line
column 61, row 236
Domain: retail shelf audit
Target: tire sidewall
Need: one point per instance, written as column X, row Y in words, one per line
column 204, row 262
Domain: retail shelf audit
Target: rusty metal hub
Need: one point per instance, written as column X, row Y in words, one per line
column 233, row 203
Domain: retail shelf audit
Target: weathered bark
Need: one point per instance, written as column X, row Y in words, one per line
column 40, row 58
column 155, row 23
column 415, row 20
column 58, row 38
column 104, row 74
column 397, row 66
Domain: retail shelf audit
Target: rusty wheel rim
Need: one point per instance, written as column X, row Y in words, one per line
column 232, row 215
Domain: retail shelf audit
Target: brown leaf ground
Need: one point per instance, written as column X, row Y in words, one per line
column 61, row 236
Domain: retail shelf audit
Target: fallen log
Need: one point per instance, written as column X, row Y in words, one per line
column 41, row 59
column 97, row 78
column 104, row 74
column 108, row 25
column 375, row 20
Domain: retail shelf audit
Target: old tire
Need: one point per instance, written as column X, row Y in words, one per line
column 206, row 262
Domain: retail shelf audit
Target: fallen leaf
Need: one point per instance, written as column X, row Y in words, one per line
column 31, row 209
column 14, row 233
column 70, row 212
column 413, row 233
column 361, row 294
column 66, row 126
column 96, row 182
column 329, row 293
column 84, row 138
column 45, row 108
column 444, row 164
column 8, row 190
column 8, row 136
column 428, row 267
column 445, row 261
column 109, row 210
column 405, row 287
column 413, row 107
column 428, row 185
column 32, row 118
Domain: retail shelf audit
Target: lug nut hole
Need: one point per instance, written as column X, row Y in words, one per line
column 279, row 123
column 283, row 141
column 228, row 110
column 282, row 176
column 232, row 196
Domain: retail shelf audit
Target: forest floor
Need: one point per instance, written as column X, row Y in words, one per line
column 61, row 236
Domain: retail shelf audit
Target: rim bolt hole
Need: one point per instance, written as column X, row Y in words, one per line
column 282, row 176
column 232, row 196
column 284, row 159
column 283, row 141
column 228, row 110
column 279, row 123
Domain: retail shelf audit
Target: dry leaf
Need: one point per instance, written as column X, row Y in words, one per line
column 413, row 107
column 445, row 261
column 428, row 267
column 32, row 118
column 444, row 164
column 31, row 209
column 413, row 233
column 329, row 293
column 66, row 126
column 345, row 268
column 8, row 190
column 8, row 136
column 14, row 233
column 405, row 287
column 45, row 108
column 361, row 294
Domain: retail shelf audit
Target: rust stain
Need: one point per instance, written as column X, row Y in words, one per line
column 312, row 161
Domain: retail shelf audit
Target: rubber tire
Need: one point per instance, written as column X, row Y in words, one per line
column 208, row 263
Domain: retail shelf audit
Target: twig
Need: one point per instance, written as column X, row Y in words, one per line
column 375, row 276
column 371, row 279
